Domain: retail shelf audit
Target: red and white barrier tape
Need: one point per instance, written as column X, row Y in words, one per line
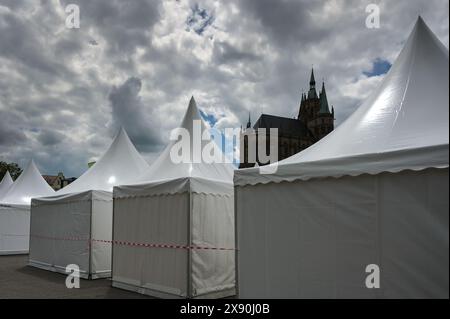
column 125, row 243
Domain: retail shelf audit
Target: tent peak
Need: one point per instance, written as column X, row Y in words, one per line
column 5, row 184
column 29, row 184
column 123, row 132
column 120, row 164
column 192, row 114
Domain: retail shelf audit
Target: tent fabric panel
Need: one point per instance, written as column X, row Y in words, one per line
column 102, row 210
column 314, row 239
column 152, row 220
column 285, row 253
column 60, row 235
column 415, row 263
column 14, row 230
column 212, row 226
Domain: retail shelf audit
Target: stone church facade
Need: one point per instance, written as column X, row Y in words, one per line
column 314, row 121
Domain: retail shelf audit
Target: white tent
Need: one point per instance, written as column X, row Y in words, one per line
column 374, row 191
column 174, row 232
column 5, row 184
column 75, row 225
column 15, row 210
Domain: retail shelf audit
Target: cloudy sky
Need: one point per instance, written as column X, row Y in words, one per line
column 64, row 92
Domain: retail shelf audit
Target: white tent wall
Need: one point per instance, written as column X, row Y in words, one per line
column 14, row 229
column 314, row 239
column 66, row 230
column 183, row 218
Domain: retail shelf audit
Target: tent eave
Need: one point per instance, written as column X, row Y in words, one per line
column 416, row 159
column 174, row 186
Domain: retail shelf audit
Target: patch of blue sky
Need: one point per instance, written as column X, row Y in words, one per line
column 379, row 67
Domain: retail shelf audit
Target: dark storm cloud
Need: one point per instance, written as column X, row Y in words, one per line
column 13, row 4
column 128, row 112
column 9, row 135
column 224, row 53
column 123, row 24
column 50, row 137
column 287, row 21
column 20, row 43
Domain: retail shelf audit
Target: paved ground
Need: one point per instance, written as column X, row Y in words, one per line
column 17, row 280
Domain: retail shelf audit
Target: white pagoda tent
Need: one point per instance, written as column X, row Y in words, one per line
column 5, row 184
column 75, row 225
column 174, row 230
column 15, row 210
column 374, row 191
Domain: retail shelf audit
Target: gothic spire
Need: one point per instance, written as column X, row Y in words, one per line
column 312, row 94
column 312, row 81
column 324, row 109
column 249, row 123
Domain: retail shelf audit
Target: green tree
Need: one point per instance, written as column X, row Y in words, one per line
column 13, row 168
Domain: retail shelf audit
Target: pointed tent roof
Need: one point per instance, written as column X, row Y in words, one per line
column 30, row 184
column 164, row 168
column 167, row 176
column 404, row 124
column 5, row 184
column 120, row 164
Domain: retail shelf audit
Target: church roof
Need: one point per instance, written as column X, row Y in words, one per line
column 286, row 126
